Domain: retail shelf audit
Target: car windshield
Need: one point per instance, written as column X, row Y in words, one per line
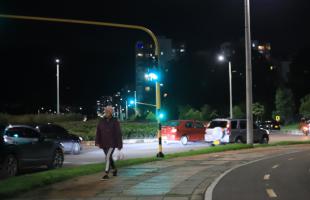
column 171, row 123
column 221, row 124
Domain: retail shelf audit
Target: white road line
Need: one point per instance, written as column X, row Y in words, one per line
column 267, row 177
column 275, row 166
column 271, row 193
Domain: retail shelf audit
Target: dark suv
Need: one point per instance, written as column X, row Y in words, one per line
column 23, row 146
column 233, row 131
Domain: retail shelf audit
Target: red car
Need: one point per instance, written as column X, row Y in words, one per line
column 183, row 131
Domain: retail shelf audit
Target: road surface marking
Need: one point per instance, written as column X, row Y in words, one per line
column 275, row 166
column 271, row 193
column 267, row 177
column 291, row 159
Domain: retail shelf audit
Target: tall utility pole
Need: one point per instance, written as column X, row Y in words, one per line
column 57, row 75
column 230, row 92
column 248, row 69
column 107, row 24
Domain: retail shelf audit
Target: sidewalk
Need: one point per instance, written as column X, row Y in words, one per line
column 185, row 178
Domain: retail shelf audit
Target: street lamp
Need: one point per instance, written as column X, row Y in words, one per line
column 221, row 58
column 57, row 75
column 248, row 69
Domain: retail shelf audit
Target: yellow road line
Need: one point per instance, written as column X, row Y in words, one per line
column 271, row 193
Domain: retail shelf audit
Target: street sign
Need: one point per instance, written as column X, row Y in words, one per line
column 278, row 118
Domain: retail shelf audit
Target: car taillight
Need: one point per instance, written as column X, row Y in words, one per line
column 305, row 128
column 174, row 130
column 228, row 129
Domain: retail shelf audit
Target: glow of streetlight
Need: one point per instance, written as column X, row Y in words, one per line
column 57, row 61
column 221, row 58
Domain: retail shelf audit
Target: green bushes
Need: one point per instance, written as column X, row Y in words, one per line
column 130, row 130
column 74, row 124
column 38, row 119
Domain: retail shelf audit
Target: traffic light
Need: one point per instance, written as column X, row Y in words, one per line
column 161, row 115
column 132, row 102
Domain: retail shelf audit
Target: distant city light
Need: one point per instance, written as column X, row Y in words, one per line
column 182, row 50
column 140, row 54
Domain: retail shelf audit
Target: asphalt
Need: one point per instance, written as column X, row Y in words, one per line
column 185, row 178
column 285, row 177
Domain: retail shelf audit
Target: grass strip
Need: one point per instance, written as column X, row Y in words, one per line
column 16, row 185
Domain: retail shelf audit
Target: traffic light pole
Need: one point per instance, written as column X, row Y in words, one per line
column 96, row 23
column 158, row 105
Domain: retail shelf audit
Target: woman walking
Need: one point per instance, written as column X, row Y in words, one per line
column 109, row 137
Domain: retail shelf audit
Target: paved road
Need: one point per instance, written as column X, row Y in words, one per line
column 285, row 177
column 95, row 155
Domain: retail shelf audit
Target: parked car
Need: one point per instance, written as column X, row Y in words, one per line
column 233, row 131
column 72, row 143
column 8, row 162
column 269, row 125
column 182, row 131
column 23, row 146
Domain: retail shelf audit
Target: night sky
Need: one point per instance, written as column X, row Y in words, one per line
column 99, row 61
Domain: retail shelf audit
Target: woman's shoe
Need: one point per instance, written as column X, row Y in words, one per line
column 114, row 172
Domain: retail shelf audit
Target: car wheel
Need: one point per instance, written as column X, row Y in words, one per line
column 264, row 140
column 184, row 140
column 76, row 148
column 10, row 166
column 238, row 140
column 57, row 160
